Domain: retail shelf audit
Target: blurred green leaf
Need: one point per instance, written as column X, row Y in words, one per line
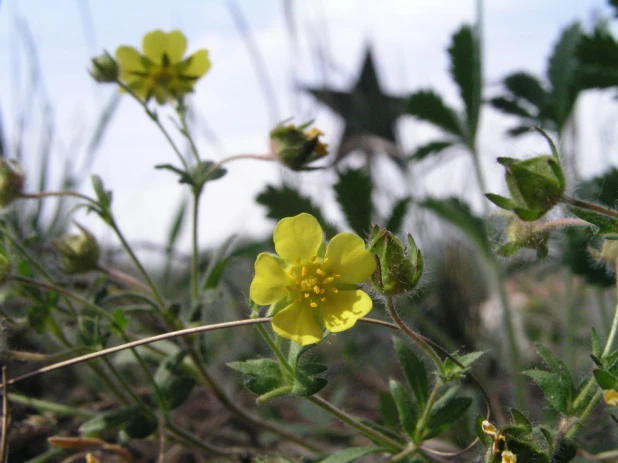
column 265, row 374
column 557, row 393
column 177, row 225
column 414, row 371
column 407, row 410
column 353, row 192
column 287, row 202
column 458, row 213
column 350, row 454
column 512, row 107
column 520, row 420
column 466, row 71
column 174, row 383
column 604, row 224
column 398, row 214
column 598, row 55
column 388, row 409
column 434, row 147
column 565, row 451
column 306, row 383
column 526, row 87
column 93, row 331
column 605, row 380
column 428, row 106
column 447, row 409
column 108, row 420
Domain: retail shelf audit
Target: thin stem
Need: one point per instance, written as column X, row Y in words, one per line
column 195, row 294
column 155, row 118
column 138, row 264
column 570, row 321
column 118, row 275
column 48, row 406
column 47, row 194
column 577, row 424
column 260, row 157
column 283, row 362
column 590, row 206
column 424, row 419
column 480, row 179
column 5, row 419
column 182, row 114
column 390, row 307
column 354, row 423
column 603, row 310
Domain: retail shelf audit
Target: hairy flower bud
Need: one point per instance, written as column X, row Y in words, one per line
column 398, row 269
column 11, row 181
column 295, row 147
column 104, row 68
column 79, row 253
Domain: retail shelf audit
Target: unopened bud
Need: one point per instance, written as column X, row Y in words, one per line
column 398, row 270
column 11, row 181
column 104, row 68
column 295, row 147
column 79, row 253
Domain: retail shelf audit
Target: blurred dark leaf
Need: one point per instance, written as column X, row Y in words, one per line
column 353, row 192
column 414, row 371
column 407, row 409
column 431, row 148
column 526, row 87
column 350, row 454
column 428, row 106
column 398, row 214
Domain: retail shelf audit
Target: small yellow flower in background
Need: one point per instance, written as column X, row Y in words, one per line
column 509, row 457
column 611, row 397
column 308, row 288
column 296, row 147
column 161, row 71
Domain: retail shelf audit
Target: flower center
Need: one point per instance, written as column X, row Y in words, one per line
column 310, row 283
column 163, row 77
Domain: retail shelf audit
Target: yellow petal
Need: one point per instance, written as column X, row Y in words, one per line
column 157, row 43
column 268, row 285
column 129, row 61
column 298, row 237
column 348, row 257
column 342, row 309
column 199, row 64
column 298, row 323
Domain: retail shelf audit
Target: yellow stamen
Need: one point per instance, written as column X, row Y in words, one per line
column 335, row 290
column 307, row 294
column 322, row 291
column 304, row 271
column 329, row 280
column 291, row 271
column 320, row 272
column 316, row 289
column 313, row 304
column 325, row 260
column 323, row 299
column 314, row 258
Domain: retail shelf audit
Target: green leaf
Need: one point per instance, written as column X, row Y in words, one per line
column 351, row 454
column 565, row 451
column 595, row 343
column 454, row 371
column 604, row 223
column 485, row 439
column 414, row 371
column 431, row 148
column 353, row 192
column 395, row 221
column 527, row 87
column 104, row 197
column 306, row 383
column 265, row 374
column 555, row 364
column 287, row 202
column 121, row 321
column 466, row 71
column 141, row 425
column 108, row 420
column 519, row 130
column 598, row 55
column 445, row 412
column 388, row 409
column 406, row 408
column 501, row 201
column 93, row 331
column 217, row 264
column 557, row 393
column 512, row 107
column 173, row 382
column 428, row 106
column 458, row 214
column 520, row 420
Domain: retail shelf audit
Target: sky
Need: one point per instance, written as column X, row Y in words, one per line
column 408, row 38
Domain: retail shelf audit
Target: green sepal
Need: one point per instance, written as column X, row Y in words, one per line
column 306, row 383
column 264, row 374
column 452, row 371
column 398, row 270
column 414, row 370
column 520, row 420
column 501, row 201
column 407, row 410
column 173, row 382
column 606, row 380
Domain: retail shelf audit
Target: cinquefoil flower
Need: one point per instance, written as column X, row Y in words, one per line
column 308, row 288
column 611, row 397
column 161, row 71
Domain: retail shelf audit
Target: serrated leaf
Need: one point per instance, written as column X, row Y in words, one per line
column 519, row 130
column 511, row 106
column 451, row 369
column 93, row 331
column 458, row 214
column 445, row 412
column 598, row 55
column 407, row 410
column 306, row 383
column 466, row 71
column 398, row 213
column 353, row 192
column 351, row 454
column 431, row 148
column 173, row 382
column 603, row 223
column 428, row 106
column 265, row 374
column 557, row 393
column 414, row 371
column 555, row 364
column 287, row 202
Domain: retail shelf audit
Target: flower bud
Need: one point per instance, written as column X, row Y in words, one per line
column 398, row 269
column 11, row 181
column 530, row 235
column 79, row 253
column 104, row 68
column 536, row 185
column 295, row 147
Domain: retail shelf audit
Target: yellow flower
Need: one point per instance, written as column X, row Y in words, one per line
column 161, row 71
column 308, row 288
column 509, row 457
column 611, row 397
